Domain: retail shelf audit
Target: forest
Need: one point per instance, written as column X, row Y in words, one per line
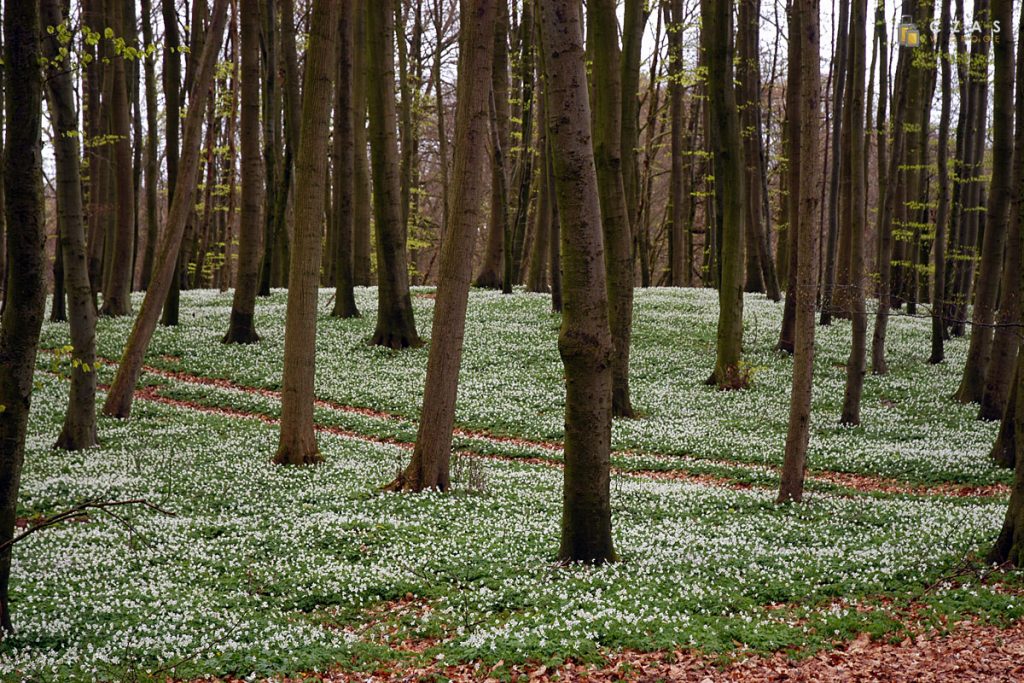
column 511, row 340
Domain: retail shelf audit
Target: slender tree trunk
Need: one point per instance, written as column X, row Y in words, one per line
column 997, row 214
column 584, row 341
column 242, row 327
column 361, row 243
column 888, row 198
column 1006, row 337
column 117, row 287
column 942, row 217
column 606, row 88
column 838, row 88
column 152, row 170
column 79, row 429
column 793, row 149
column 492, row 270
column 298, row 440
column 26, row 234
column 555, row 243
column 761, row 276
column 854, row 110
column 1004, row 451
column 271, row 102
column 119, row 397
column 537, row 280
column 442, row 130
column 679, row 266
column 396, row 327
column 634, row 20
column 430, row 460
column 172, row 104
column 344, row 163
column 716, row 32
column 804, row 23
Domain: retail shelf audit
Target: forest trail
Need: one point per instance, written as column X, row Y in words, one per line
column 844, row 480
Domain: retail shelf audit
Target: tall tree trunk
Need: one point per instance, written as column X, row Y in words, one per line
column 838, row 88
column 793, row 151
column 634, row 20
column 678, row 265
column 361, row 243
column 491, row 270
column 442, row 130
column 804, row 23
column 396, row 327
column 606, row 86
column 26, row 238
column 430, row 460
column 271, row 105
column 942, row 216
column 1006, row 337
column 172, row 103
column 242, row 327
column 79, row 429
column 119, row 397
column 298, row 440
column 761, row 276
column 584, row 341
column 716, row 38
column 997, row 214
column 117, row 286
column 888, row 199
column 344, row 162
column 152, row 170
column 854, row 112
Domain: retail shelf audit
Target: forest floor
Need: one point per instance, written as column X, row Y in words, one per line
column 265, row 571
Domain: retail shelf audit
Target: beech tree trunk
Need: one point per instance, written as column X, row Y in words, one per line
column 119, row 397
column 242, row 327
column 854, row 109
column 942, row 215
column 26, row 237
column 117, row 285
column 1006, row 337
column 79, row 429
column 491, row 270
column 804, row 23
column 429, row 468
column 298, row 439
column 396, row 327
column 997, row 214
column 606, row 88
column 584, row 341
column 344, row 165
column 361, row 173
column 152, row 170
column 716, row 32
column 679, row 265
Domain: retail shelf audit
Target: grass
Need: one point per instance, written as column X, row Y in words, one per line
column 267, row 570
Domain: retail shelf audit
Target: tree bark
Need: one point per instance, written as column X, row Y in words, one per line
column 854, row 109
column 79, row 429
column 942, row 216
column 606, row 88
column 298, row 439
column 584, row 341
column 804, row 23
column 679, row 267
column 242, row 327
column 491, row 270
column 997, row 214
column 429, row 468
column 119, row 397
column 716, row 32
column 26, row 234
column 344, row 164
column 117, row 285
column 1006, row 337
column 396, row 327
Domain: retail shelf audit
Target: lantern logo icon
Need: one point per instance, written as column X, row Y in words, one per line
column 909, row 35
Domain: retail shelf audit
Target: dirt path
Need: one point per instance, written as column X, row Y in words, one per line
column 863, row 483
